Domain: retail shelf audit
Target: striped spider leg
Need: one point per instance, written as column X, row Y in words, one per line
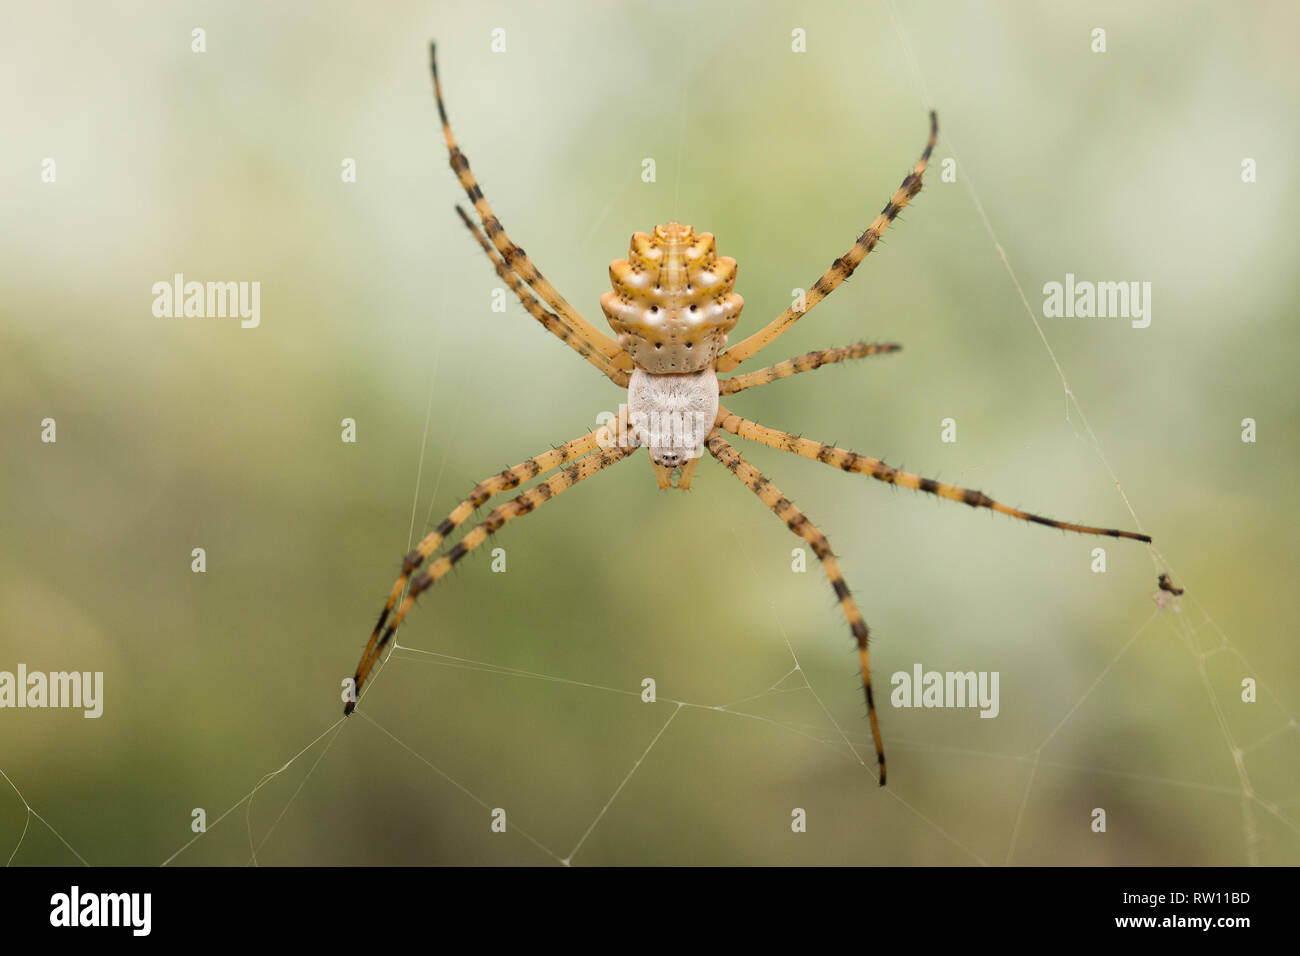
column 853, row 462
column 590, row 459
column 795, row 520
column 841, row 268
column 515, row 259
column 540, row 313
column 803, row 363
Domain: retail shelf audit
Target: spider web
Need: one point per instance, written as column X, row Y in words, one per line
column 1202, row 638
column 1192, row 635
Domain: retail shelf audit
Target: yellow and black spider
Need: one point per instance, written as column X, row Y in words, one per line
column 671, row 308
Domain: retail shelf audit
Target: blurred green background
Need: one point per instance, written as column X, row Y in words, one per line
column 183, row 433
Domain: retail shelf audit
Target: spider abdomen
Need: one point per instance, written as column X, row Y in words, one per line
column 672, row 303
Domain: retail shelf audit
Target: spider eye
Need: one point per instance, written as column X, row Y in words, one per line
column 654, row 309
column 694, row 308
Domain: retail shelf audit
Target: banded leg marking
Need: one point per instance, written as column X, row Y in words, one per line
column 803, row 363
column 847, row 460
column 795, row 520
column 540, row 312
column 510, row 478
column 515, row 256
column 841, row 268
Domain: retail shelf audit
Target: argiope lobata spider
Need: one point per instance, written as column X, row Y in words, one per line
column 671, row 307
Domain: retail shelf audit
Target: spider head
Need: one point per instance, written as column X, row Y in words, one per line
column 672, row 304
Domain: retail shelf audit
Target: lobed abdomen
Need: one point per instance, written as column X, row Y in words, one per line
column 672, row 303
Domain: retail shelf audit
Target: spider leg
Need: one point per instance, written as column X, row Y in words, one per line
column 530, row 500
column 802, row 363
column 514, row 256
column 540, row 312
column 840, row 269
column 794, row 519
column 851, row 461
column 510, row 478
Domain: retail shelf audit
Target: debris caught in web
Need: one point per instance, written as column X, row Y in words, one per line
column 1168, row 594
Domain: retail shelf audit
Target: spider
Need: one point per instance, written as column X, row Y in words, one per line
column 671, row 307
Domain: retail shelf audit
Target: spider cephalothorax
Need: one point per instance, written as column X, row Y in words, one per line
column 671, row 307
column 672, row 304
column 671, row 415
